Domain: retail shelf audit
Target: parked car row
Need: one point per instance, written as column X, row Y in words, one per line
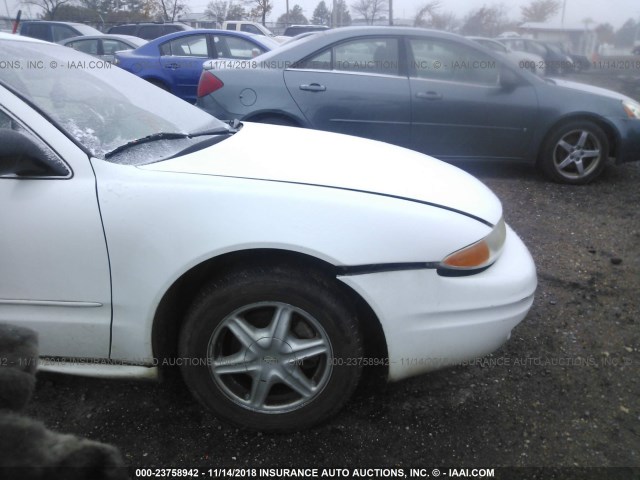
column 430, row 91
column 262, row 272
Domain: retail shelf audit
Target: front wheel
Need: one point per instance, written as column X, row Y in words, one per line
column 271, row 349
column 575, row 153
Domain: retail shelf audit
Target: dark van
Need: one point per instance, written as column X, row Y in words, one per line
column 148, row 31
column 55, row 31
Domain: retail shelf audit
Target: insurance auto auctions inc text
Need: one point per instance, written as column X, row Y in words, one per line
column 283, row 473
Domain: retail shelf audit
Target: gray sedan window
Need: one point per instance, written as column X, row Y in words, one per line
column 442, row 60
column 321, row 61
column 234, row 47
column 366, row 55
column 86, row 46
column 371, row 55
column 110, row 46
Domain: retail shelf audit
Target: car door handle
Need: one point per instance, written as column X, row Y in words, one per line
column 172, row 66
column 429, row 95
column 314, row 87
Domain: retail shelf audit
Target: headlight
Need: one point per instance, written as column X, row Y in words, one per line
column 631, row 108
column 477, row 256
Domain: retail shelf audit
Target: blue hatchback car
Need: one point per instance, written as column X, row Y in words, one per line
column 174, row 61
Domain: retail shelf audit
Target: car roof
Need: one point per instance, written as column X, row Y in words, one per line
column 52, row 21
column 19, row 38
column 106, row 36
column 150, row 48
column 149, row 23
column 323, row 27
column 234, row 33
column 333, row 35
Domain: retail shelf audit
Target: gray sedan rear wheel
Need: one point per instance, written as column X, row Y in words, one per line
column 576, row 153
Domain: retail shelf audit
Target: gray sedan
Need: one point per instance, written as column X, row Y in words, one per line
column 434, row 92
column 103, row 46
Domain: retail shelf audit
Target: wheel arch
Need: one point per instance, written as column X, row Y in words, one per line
column 173, row 306
column 260, row 116
column 158, row 82
column 608, row 128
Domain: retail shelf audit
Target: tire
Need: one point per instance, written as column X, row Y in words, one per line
column 576, row 153
column 271, row 349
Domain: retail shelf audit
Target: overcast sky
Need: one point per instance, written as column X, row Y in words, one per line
column 615, row 12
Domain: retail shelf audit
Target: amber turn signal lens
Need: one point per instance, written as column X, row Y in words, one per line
column 474, row 255
column 480, row 254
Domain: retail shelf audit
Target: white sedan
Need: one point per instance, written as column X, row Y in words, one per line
column 271, row 264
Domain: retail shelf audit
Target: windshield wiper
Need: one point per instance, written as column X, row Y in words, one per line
column 165, row 136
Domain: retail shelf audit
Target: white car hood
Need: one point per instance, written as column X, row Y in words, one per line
column 302, row 156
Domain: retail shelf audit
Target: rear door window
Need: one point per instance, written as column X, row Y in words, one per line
column 37, row 30
column 86, row 46
column 60, row 32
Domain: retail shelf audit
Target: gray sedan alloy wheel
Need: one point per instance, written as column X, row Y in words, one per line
column 576, row 153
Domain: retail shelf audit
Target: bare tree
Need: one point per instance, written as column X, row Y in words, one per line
column 171, row 9
column 424, row 15
column 261, row 8
column 370, row 10
column 217, row 10
column 540, row 10
column 222, row 10
column 486, row 21
column 445, row 21
column 50, row 7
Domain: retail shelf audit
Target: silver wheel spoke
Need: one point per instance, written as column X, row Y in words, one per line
column 565, row 163
column 580, row 167
column 590, row 153
column 303, row 349
column 566, row 146
column 259, row 390
column 230, row 364
column 583, row 139
column 297, row 381
column 244, row 332
column 280, row 323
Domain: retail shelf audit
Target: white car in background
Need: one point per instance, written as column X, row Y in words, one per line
column 142, row 232
column 529, row 61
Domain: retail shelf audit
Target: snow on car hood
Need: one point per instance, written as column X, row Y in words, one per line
column 297, row 155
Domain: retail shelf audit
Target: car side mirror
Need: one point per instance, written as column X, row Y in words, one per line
column 509, row 80
column 21, row 156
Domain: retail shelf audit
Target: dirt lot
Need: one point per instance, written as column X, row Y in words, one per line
column 563, row 392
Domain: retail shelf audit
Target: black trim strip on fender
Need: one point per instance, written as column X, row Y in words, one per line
column 347, row 271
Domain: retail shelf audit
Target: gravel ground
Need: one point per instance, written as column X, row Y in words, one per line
column 563, row 392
